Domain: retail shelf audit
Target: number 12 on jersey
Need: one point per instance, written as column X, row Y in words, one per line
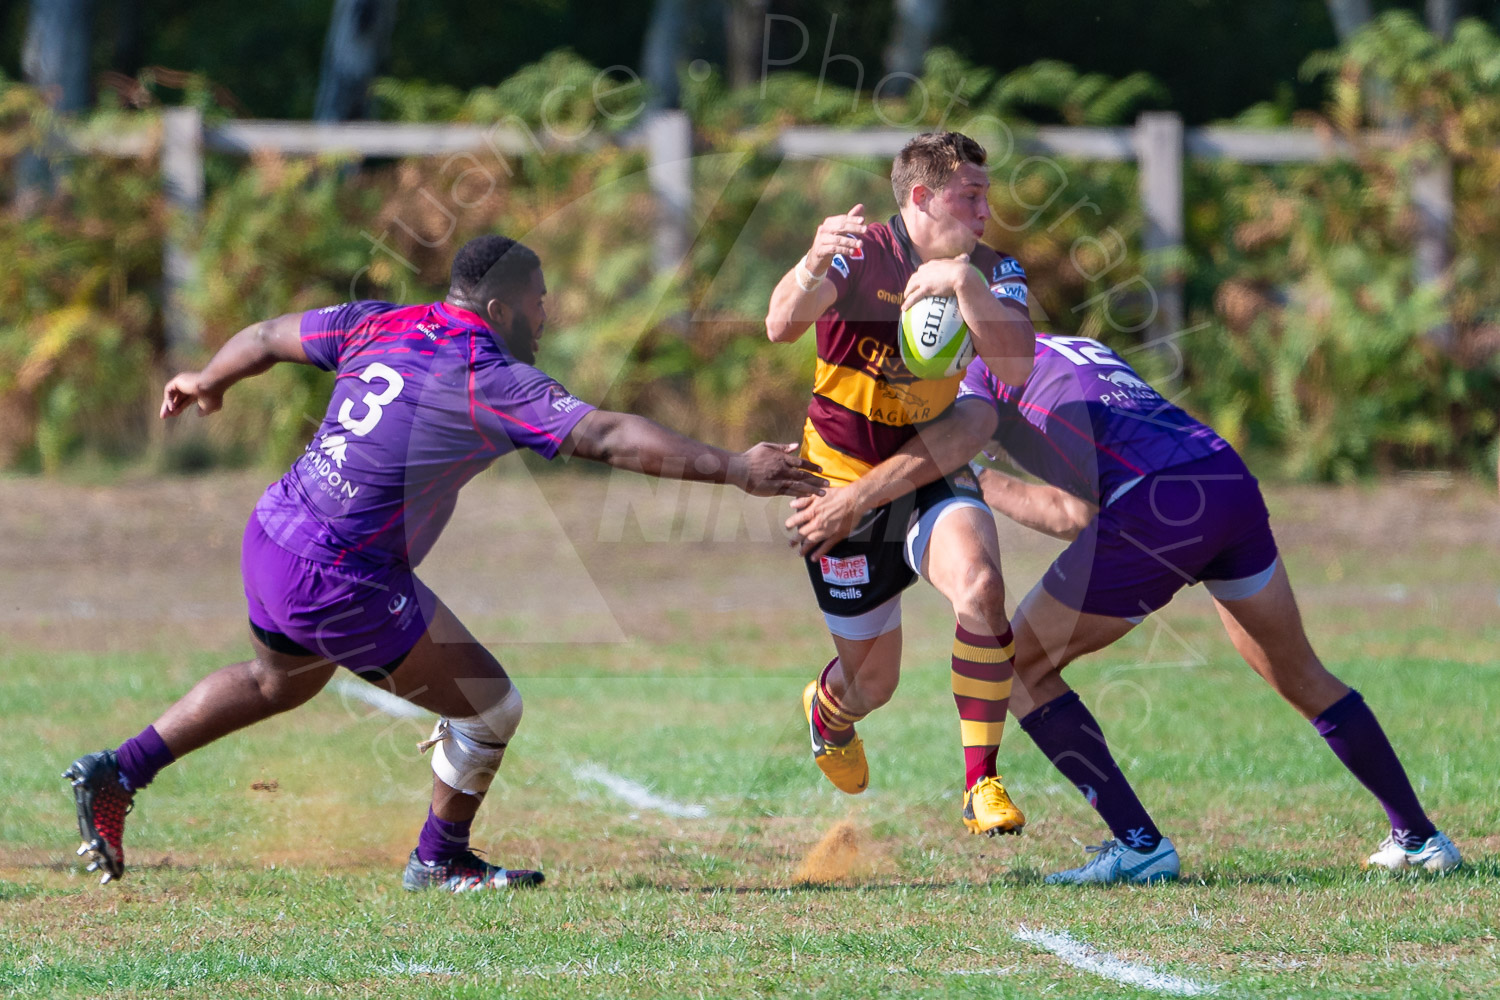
column 1088, row 352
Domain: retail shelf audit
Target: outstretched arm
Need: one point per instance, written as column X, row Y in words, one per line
column 1037, row 506
column 943, row 446
column 626, row 441
column 249, row 352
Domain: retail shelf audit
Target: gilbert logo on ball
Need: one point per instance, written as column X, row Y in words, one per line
column 935, row 341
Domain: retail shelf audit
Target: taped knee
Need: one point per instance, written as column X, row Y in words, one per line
column 467, row 752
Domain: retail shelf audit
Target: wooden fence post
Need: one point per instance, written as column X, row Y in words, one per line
column 1159, row 150
column 1432, row 193
column 669, row 158
column 182, row 183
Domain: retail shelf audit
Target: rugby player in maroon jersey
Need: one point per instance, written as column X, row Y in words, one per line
column 425, row 398
column 1150, row 500
column 853, row 283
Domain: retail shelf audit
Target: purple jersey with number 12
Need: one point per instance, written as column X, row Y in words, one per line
column 425, row 398
column 1086, row 422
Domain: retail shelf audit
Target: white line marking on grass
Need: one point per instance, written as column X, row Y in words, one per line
column 637, row 795
column 1082, row 955
column 401, row 967
column 383, row 700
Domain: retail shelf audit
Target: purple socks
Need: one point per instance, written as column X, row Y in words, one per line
column 140, row 757
column 1064, row 729
column 1355, row 737
column 441, row 841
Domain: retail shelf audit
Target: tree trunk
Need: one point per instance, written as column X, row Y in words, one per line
column 916, row 24
column 54, row 59
column 662, row 51
column 745, row 37
column 129, row 39
column 1349, row 16
column 1441, row 16
column 55, row 56
column 359, row 33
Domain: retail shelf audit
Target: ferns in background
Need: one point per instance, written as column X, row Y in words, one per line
column 1307, row 329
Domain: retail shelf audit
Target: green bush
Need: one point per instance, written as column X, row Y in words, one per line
column 1307, row 336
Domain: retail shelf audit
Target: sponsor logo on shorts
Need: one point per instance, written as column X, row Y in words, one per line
column 846, row 593
column 840, row 264
column 397, row 603
column 845, row 570
column 966, row 480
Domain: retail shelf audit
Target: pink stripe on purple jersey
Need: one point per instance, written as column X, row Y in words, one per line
column 405, row 430
column 1086, row 422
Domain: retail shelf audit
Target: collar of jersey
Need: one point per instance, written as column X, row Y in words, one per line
column 462, row 317
column 903, row 241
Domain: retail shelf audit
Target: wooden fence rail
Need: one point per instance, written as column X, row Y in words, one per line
column 1158, row 143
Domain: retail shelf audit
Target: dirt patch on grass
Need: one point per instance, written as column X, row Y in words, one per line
column 153, row 563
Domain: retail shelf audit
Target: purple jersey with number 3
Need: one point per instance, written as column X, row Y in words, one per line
column 1086, row 422
column 425, row 399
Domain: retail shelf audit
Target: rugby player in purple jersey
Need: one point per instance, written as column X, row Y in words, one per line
column 425, row 398
column 1151, row 501
column 852, row 284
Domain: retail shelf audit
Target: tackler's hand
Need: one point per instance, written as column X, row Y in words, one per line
column 771, row 469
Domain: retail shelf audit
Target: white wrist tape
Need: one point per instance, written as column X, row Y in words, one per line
column 806, row 280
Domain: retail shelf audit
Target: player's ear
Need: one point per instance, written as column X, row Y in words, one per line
column 498, row 313
column 921, row 194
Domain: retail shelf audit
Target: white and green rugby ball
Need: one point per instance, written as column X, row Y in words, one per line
column 935, row 341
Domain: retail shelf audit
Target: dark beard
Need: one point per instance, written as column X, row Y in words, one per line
column 518, row 341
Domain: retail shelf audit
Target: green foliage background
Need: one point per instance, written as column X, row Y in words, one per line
column 1306, row 337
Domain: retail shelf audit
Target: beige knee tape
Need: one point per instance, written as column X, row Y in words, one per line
column 467, row 752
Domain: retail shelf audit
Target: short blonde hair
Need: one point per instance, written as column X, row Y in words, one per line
column 930, row 160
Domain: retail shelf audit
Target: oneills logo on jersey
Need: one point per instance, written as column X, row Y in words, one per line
column 885, row 296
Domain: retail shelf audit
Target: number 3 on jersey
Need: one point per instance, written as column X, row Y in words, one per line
column 373, row 401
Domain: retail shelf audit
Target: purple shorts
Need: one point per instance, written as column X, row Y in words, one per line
column 361, row 619
column 1203, row 521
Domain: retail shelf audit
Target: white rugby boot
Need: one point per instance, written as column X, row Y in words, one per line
column 1112, row 861
column 1438, row 854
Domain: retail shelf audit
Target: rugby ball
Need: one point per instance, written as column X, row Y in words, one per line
column 935, row 341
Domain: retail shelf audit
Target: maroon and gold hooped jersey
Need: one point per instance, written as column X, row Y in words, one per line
column 865, row 403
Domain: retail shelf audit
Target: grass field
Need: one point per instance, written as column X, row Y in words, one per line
column 670, row 653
